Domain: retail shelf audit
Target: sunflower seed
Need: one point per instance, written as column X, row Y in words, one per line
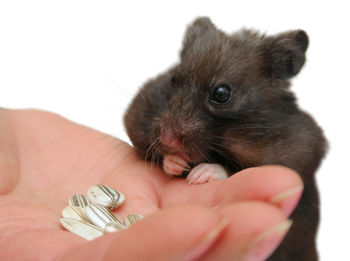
column 74, row 212
column 82, row 229
column 112, row 227
column 131, row 219
column 105, row 196
column 100, row 216
column 78, row 200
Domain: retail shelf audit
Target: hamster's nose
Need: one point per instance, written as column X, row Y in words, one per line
column 170, row 141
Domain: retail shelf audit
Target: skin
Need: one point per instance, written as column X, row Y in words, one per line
column 45, row 159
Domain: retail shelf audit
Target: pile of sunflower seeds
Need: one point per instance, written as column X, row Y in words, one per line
column 90, row 216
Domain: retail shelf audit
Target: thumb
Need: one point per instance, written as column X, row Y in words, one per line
column 166, row 235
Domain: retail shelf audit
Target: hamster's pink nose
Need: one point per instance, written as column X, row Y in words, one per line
column 170, row 141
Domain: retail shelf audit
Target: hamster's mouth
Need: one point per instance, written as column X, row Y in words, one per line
column 190, row 157
column 193, row 153
column 175, row 140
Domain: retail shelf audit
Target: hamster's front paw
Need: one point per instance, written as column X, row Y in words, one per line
column 206, row 172
column 174, row 164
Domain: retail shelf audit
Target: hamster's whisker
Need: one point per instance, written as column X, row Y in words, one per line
column 155, row 155
column 151, row 150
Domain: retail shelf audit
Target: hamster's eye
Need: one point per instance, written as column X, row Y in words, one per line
column 221, row 94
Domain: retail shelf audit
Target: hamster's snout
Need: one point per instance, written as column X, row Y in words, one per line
column 169, row 140
column 182, row 128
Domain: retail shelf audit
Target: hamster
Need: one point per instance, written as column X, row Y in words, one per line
column 227, row 106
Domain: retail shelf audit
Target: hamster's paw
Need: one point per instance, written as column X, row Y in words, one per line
column 174, row 164
column 206, row 172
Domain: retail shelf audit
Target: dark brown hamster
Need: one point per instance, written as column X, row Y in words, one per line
column 228, row 103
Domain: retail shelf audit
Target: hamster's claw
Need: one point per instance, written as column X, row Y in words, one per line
column 174, row 164
column 206, row 172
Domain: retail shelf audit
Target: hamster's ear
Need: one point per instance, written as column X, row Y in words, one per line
column 200, row 26
column 284, row 54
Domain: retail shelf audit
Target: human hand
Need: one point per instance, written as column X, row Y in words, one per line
column 44, row 159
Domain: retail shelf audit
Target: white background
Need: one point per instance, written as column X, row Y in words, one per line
column 86, row 59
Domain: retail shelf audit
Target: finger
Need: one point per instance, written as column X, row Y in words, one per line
column 273, row 184
column 251, row 231
column 256, row 229
column 9, row 162
column 180, row 233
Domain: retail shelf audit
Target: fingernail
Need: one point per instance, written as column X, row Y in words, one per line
column 288, row 199
column 208, row 241
column 263, row 245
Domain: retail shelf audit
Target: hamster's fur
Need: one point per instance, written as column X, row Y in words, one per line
column 260, row 122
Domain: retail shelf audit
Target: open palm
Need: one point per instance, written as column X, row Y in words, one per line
column 45, row 159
